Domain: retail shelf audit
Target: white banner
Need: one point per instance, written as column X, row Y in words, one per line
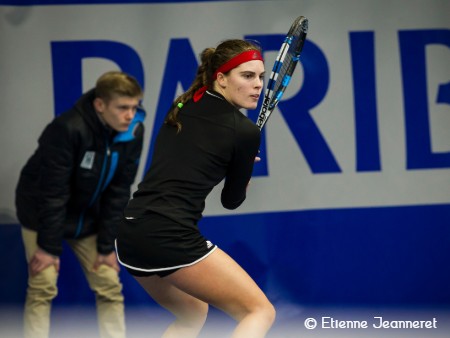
column 372, row 92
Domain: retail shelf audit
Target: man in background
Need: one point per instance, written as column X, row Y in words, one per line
column 74, row 188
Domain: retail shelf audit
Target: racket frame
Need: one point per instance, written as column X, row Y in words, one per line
column 271, row 99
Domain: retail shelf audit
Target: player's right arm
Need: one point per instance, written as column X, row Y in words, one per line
column 239, row 172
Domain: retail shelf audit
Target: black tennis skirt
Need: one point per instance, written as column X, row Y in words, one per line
column 155, row 244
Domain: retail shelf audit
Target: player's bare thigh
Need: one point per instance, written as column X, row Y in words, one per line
column 221, row 282
column 181, row 304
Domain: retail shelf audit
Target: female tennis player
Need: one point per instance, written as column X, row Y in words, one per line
column 205, row 138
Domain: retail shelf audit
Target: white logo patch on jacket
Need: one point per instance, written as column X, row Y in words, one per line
column 88, row 160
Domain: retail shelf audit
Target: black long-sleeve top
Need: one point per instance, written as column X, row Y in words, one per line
column 216, row 141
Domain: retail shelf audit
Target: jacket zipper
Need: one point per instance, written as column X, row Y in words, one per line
column 97, row 190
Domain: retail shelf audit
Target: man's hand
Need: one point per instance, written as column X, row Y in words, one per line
column 109, row 260
column 42, row 260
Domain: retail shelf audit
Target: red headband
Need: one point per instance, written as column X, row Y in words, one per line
column 249, row 55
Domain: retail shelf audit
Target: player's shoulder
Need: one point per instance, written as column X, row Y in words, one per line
column 243, row 122
column 245, row 128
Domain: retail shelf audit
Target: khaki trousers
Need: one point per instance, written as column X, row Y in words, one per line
column 42, row 289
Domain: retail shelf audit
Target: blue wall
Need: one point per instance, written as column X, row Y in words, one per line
column 368, row 256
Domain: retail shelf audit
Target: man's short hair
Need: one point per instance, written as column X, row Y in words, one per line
column 115, row 83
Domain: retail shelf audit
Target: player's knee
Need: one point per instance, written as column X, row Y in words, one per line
column 269, row 312
column 195, row 313
column 264, row 310
column 202, row 311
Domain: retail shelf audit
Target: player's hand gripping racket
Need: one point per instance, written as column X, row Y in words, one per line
column 283, row 68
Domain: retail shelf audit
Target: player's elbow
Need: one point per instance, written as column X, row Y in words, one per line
column 231, row 204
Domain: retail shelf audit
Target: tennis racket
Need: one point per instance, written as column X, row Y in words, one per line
column 283, row 68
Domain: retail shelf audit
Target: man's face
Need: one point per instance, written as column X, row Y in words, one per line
column 117, row 112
